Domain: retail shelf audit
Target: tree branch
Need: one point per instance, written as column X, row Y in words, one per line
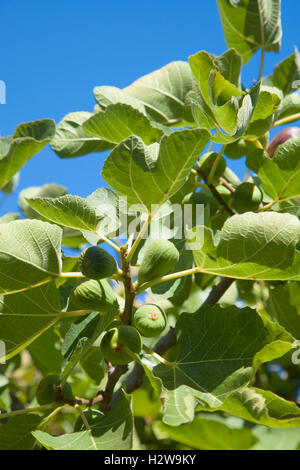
column 214, row 192
column 129, row 288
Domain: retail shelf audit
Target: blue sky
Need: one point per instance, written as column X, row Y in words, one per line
column 54, row 52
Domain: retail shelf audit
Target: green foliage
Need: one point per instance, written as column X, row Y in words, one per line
column 215, row 294
column 257, row 23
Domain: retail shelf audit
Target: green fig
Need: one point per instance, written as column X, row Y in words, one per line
column 150, row 320
column 160, row 257
column 45, row 392
column 96, row 263
column 247, row 197
column 117, row 341
column 207, row 161
column 94, row 295
column 224, row 192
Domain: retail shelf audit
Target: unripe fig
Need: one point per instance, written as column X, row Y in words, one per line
column 149, row 320
column 224, row 192
column 94, row 295
column 247, row 197
column 45, row 392
column 281, row 137
column 116, row 342
column 207, row 161
column 160, row 257
column 96, row 263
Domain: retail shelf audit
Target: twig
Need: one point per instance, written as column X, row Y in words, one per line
column 227, row 185
column 217, row 291
column 114, row 374
column 129, row 288
column 214, row 191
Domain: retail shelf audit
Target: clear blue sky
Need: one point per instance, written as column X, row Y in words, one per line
column 54, row 52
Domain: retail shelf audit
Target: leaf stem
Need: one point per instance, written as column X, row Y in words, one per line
column 24, row 411
column 138, row 238
column 161, row 359
column 262, row 61
column 84, row 420
column 246, row 175
column 116, row 277
column 215, row 165
column 214, row 192
column 71, row 274
column 287, row 120
column 165, row 278
column 107, row 240
column 268, row 206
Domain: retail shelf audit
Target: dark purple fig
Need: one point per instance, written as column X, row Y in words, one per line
column 281, row 137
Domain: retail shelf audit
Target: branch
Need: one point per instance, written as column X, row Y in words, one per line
column 218, row 291
column 114, row 374
column 214, row 192
column 103, row 397
column 129, row 288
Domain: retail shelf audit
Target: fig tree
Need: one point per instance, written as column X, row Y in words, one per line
column 96, row 263
column 117, row 341
column 160, row 257
column 150, row 320
column 46, row 393
column 247, row 197
column 281, row 137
